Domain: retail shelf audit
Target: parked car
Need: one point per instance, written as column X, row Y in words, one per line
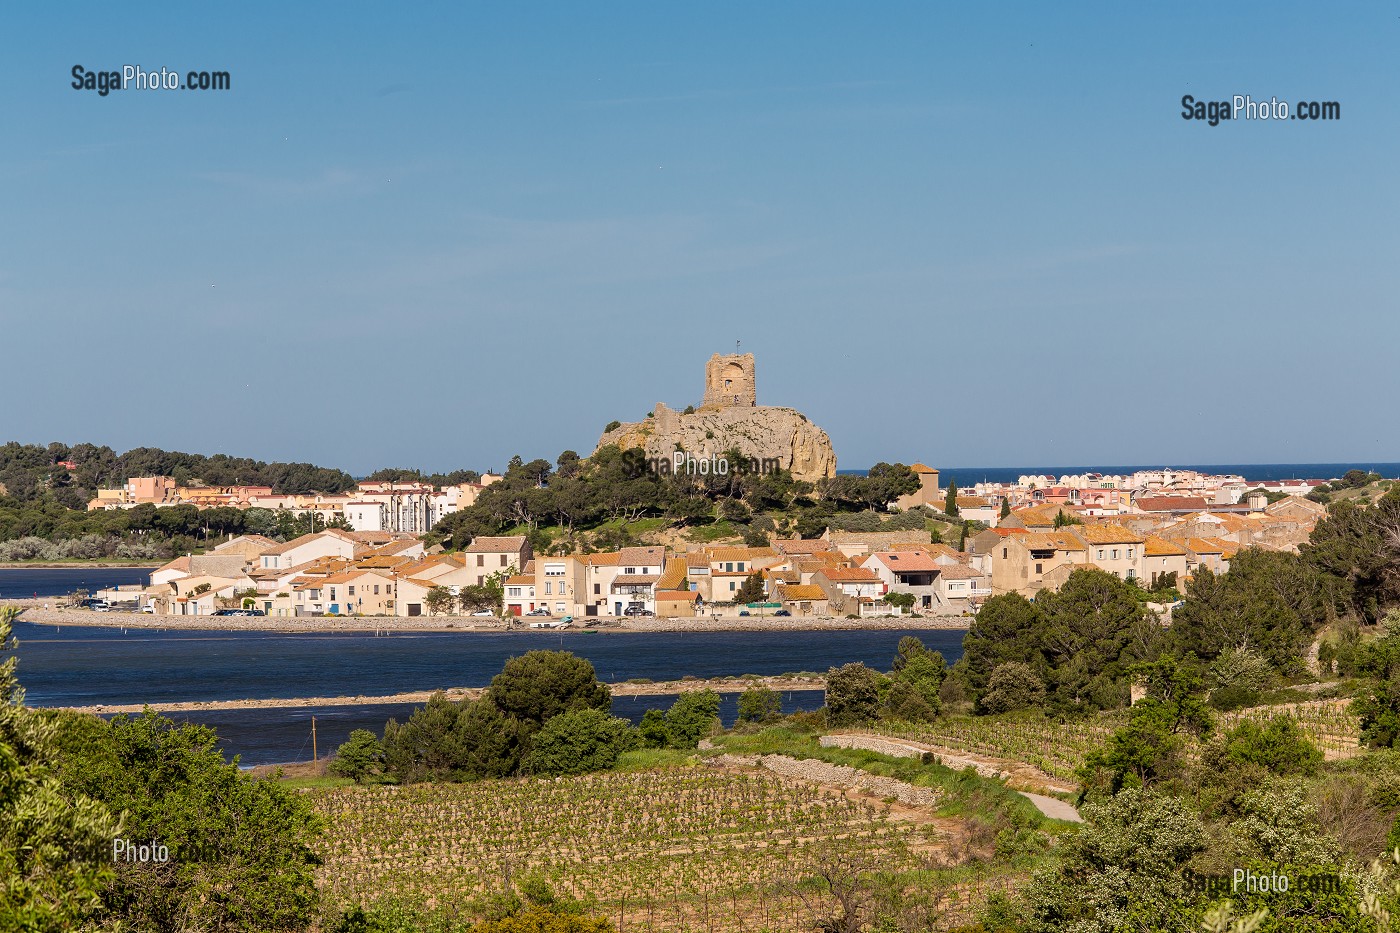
column 782, row 612
column 482, row 613
column 637, row 611
column 148, row 608
column 101, row 607
column 538, row 612
column 743, row 612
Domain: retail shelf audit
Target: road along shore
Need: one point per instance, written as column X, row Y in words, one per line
column 468, row 624
column 650, row 688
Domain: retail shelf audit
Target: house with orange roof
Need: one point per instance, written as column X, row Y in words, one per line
column 328, row 543
column 927, row 495
column 489, row 554
column 519, row 595
column 1162, row 557
column 1112, row 548
column 1020, row 563
column 802, row 599
column 678, row 604
column 913, row 572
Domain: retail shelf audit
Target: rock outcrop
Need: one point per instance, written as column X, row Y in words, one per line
column 773, row 437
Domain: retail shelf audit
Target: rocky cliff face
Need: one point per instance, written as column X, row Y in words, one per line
column 772, row 435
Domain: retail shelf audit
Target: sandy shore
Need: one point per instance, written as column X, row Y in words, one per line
column 34, row 612
column 658, row 688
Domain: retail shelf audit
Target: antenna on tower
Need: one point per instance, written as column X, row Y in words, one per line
column 736, row 346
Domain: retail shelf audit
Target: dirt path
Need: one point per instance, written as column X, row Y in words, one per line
column 1018, row 775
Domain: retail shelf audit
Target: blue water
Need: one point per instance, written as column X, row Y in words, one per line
column 1252, row 472
column 30, row 582
column 274, row 736
column 84, row 666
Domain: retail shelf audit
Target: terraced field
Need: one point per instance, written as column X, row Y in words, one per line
column 668, row 849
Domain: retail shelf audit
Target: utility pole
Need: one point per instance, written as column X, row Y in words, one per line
column 314, row 755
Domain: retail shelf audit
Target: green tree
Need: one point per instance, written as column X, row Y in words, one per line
column 241, row 850
column 1006, row 628
column 439, row 599
column 903, row 601
column 693, row 716
column 950, row 501
column 1270, row 601
column 539, row 684
column 55, row 842
column 852, row 694
column 751, row 591
column 1012, row 685
column 579, row 741
column 359, row 758
column 1005, row 508
column 1279, row 746
column 652, row 729
column 1379, row 711
column 760, row 704
column 1125, row 870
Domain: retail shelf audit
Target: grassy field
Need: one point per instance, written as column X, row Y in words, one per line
column 674, row 847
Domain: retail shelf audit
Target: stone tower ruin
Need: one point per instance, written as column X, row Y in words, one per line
column 729, row 382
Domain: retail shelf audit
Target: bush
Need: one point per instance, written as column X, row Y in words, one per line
column 359, row 758
column 240, row 849
column 1281, row 746
column 692, row 717
column 1012, row 686
column 760, row 704
column 578, row 742
column 852, row 695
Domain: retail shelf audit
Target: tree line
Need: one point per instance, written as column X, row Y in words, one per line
column 573, row 494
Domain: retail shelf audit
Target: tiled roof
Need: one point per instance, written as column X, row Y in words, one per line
column 1171, row 503
column 1045, row 541
column 906, row 561
column 520, row 579
column 1107, row 533
column 635, row 579
column 641, row 556
column 922, row 468
column 672, row 576
column 492, row 545
column 801, row 591
column 1161, row 547
column 675, row 596
column 959, row 572
column 849, row 575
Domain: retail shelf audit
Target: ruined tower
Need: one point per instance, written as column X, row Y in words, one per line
column 729, row 382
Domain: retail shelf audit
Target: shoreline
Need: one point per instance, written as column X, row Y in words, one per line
column 468, row 625
column 623, row 689
column 78, row 565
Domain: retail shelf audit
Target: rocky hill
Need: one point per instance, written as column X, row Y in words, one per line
column 780, row 436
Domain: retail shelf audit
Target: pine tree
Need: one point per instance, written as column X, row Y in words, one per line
column 950, row 503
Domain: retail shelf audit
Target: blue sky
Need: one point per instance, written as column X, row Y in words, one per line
column 951, row 233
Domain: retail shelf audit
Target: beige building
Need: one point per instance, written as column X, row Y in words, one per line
column 1164, row 557
column 926, row 495
column 1113, row 549
column 488, row 555
column 1021, row 562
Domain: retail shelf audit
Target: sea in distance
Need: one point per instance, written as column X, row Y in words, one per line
column 1252, row 472
column 89, row 666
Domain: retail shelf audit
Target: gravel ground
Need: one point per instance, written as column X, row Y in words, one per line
column 33, row 612
column 810, row 769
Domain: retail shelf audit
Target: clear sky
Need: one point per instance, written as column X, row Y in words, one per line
column 958, row 233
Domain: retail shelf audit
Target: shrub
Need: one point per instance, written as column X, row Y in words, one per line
column 1012, row 686
column 359, row 758
column 760, row 704
column 852, row 694
column 1281, row 746
column 578, row 742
